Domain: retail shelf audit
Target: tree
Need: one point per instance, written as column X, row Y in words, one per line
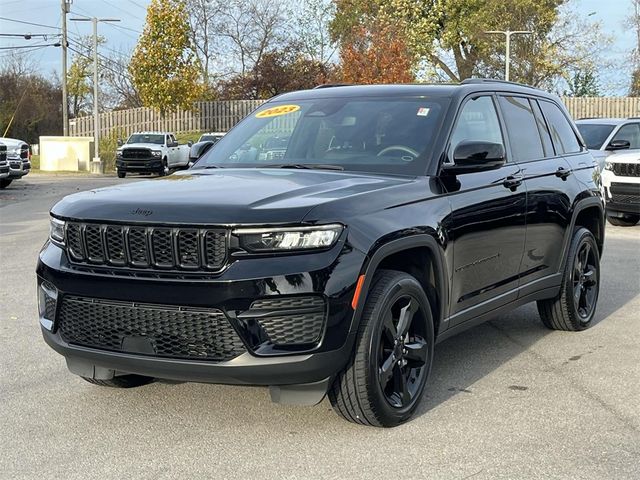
column 634, row 23
column 446, row 38
column 31, row 99
column 164, row 68
column 278, row 71
column 203, row 15
column 376, row 54
column 311, row 31
column 80, row 77
column 583, row 83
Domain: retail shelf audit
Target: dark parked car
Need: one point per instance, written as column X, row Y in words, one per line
column 396, row 217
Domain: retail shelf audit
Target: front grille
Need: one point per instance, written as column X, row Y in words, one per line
column 185, row 249
column 160, row 330
column 626, row 169
column 3, row 152
column 626, row 199
column 15, row 164
column 289, row 320
column 137, row 153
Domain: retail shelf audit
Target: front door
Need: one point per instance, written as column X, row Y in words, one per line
column 488, row 220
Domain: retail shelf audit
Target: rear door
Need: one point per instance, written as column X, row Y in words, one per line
column 488, row 219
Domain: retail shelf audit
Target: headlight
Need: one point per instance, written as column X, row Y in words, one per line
column 118, row 153
column 56, row 230
column 156, row 153
column 608, row 166
column 289, row 238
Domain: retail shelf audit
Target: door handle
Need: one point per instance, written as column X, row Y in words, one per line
column 512, row 182
column 562, row 173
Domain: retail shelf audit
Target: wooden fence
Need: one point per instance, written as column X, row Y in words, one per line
column 220, row 116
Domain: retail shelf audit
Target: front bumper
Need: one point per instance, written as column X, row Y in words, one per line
column 331, row 275
column 139, row 166
column 4, row 169
column 622, row 194
column 18, row 167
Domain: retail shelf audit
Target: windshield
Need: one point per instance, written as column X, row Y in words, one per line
column 389, row 135
column 595, row 134
column 210, row 138
column 143, row 138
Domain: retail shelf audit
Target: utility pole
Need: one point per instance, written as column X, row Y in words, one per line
column 66, row 8
column 507, row 34
column 96, row 165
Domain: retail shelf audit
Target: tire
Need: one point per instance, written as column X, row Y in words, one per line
column 574, row 307
column 165, row 168
column 5, row 182
column 123, row 381
column 121, row 174
column 629, row 220
column 366, row 391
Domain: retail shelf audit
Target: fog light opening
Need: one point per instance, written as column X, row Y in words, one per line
column 47, row 302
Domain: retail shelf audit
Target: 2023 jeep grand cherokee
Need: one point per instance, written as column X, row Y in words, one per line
column 396, row 217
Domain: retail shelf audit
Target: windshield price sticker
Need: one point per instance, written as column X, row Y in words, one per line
column 423, row 112
column 277, row 111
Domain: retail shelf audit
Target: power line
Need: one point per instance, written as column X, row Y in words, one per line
column 28, row 36
column 30, row 46
column 29, row 23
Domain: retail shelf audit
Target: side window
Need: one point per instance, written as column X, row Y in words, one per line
column 167, row 140
column 522, row 128
column 631, row 133
column 543, row 129
column 478, row 120
column 563, row 136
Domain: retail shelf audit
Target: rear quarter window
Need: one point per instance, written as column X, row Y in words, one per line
column 563, row 136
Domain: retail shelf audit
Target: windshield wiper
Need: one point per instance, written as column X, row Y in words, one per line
column 304, row 166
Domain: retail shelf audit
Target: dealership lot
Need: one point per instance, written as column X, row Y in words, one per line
column 508, row 399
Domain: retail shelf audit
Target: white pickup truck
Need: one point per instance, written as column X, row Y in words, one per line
column 151, row 152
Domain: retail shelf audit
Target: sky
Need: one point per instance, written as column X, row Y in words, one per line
column 122, row 36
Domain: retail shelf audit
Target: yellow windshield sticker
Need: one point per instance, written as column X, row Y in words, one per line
column 276, row 111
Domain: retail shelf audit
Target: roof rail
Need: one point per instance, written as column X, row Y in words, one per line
column 331, row 85
column 472, row 81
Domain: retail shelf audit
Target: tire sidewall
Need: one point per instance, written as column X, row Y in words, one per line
column 404, row 285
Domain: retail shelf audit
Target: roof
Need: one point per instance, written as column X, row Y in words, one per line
column 152, row 133
column 603, row 121
column 411, row 90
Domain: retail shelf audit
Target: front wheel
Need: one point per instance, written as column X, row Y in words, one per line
column 574, row 307
column 384, row 381
column 121, row 174
column 5, row 182
column 628, row 220
column 165, row 168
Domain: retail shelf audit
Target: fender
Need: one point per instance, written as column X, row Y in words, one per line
column 568, row 235
column 395, row 246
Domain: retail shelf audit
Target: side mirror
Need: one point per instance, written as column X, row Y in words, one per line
column 474, row 156
column 190, row 143
column 619, row 145
column 120, row 142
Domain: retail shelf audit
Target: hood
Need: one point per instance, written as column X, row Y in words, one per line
column 229, row 196
column 152, row 146
column 625, row 156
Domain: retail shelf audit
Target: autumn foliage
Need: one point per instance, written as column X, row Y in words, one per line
column 375, row 54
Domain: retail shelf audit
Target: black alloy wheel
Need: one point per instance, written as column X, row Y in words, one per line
column 585, row 281
column 403, row 352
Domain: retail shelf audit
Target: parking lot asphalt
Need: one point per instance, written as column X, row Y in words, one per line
column 507, row 399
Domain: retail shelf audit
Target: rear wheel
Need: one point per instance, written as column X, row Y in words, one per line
column 384, row 381
column 628, row 220
column 5, row 182
column 574, row 307
column 123, row 381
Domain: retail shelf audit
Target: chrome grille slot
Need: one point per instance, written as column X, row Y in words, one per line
column 147, row 247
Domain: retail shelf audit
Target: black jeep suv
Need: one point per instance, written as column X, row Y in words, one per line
column 395, row 217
